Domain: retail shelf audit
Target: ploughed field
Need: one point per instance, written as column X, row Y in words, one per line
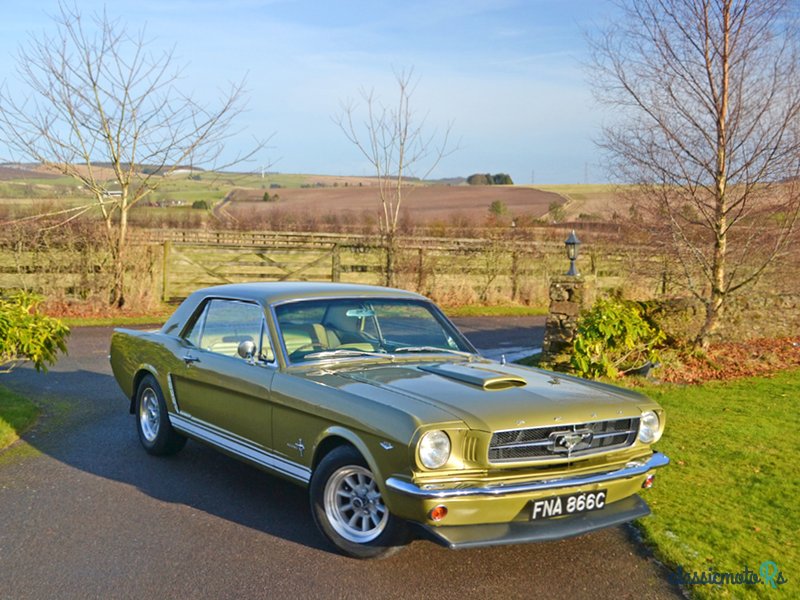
column 425, row 204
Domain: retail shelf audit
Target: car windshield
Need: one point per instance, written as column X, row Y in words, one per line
column 317, row 329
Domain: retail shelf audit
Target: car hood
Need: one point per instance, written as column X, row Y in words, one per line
column 490, row 396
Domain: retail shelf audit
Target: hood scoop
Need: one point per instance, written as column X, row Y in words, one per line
column 483, row 378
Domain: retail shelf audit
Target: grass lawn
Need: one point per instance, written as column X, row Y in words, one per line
column 730, row 497
column 155, row 319
column 16, row 415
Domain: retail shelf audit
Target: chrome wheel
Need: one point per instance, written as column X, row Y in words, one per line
column 152, row 421
column 149, row 415
column 353, row 505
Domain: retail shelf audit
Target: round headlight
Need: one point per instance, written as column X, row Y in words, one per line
column 434, row 449
column 649, row 427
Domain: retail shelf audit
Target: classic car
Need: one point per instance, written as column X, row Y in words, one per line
column 372, row 399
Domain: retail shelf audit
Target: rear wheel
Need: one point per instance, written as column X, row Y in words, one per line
column 348, row 508
column 152, row 420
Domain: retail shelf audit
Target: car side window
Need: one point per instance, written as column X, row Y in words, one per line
column 193, row 335
column 225, row 324
column 266, row 352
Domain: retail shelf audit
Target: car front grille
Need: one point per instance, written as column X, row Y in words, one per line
column 562, row 441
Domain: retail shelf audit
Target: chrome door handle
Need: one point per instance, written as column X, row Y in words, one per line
column 189, row 359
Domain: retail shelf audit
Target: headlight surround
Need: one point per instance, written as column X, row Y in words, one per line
column 649, row 427
column 434, row 449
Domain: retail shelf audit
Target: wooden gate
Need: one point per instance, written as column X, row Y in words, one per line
column 187, row 267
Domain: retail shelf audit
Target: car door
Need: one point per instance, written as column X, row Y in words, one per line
column 217, row 391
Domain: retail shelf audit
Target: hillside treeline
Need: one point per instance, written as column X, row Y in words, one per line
column 489, row 179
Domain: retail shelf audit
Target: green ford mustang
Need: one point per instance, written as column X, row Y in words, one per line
column 372, row 399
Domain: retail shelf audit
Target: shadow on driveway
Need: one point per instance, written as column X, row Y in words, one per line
column 91, row 430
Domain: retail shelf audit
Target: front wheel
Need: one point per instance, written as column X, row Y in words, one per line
column 348, row 508
column 152, row 420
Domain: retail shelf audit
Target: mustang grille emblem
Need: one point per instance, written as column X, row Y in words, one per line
column 569, row 441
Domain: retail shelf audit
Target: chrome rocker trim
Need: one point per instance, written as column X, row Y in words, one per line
column 632, row 469
column 239, row 446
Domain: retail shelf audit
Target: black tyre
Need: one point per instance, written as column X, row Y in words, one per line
column 348, row 509
column 152, row 421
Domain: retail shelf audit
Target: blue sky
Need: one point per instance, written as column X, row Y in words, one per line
column 506, row 73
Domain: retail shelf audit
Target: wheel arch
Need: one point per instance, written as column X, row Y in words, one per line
column 335, row 437
column 140, row 374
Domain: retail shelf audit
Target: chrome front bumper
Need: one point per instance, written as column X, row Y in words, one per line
column 632, row 469
column 525, row 532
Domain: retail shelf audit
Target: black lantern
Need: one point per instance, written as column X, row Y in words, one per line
column 572, row 244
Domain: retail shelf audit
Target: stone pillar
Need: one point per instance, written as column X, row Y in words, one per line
column 567, row 298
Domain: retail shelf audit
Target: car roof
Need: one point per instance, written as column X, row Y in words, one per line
column 272, row 292
column 276, row 292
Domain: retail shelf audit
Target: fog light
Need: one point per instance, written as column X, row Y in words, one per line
column 439, row 513
column 648, row 483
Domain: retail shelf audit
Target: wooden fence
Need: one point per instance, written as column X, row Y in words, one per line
column 420, row 264
column 172, row 263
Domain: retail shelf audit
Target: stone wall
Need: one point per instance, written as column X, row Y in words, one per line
column 568, row 296
column 746, row 317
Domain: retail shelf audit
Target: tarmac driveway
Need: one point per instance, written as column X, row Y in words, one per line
column 86, row 513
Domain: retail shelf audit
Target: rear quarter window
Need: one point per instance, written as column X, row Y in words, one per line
column 224, row 324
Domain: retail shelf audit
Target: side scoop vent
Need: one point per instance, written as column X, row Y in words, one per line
column 471, row 449
column 484, row 378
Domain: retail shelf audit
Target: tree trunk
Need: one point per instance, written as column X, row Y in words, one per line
column 118, row 290
column 120, row 251
column 717, row 295
column 713, row 313
column 390, row 246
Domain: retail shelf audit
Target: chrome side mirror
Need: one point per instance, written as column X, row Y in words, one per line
column 246, row 349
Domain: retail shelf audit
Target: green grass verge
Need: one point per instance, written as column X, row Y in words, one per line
column 478, row 310
column 729, row 498
column 17, row 414
column 116, row 321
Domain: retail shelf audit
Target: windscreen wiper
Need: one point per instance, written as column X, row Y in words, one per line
column 347, row 352
column 468, row 355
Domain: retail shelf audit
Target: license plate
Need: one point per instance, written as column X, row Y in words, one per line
column 571, row 504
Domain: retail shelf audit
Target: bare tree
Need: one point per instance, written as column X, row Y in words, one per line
column 98, row 106
column 394, row 141
column 708, row 95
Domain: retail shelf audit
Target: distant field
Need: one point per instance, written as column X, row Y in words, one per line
column 588, row 202
column 296, row 180
column 425, row 204
column 347, row 199
column 34, row 175
column 13, row 172
column 31, row 173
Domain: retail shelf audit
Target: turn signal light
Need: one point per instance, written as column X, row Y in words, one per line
column 648, row 483
column 439, row 513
